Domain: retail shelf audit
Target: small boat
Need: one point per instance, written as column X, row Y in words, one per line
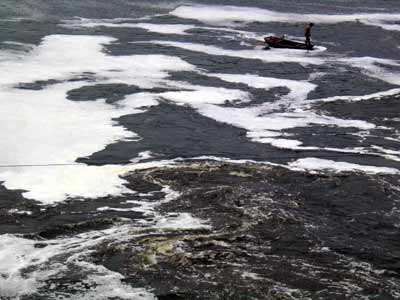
column 278, row 42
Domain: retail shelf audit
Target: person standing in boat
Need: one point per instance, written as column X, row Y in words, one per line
column 307, row 34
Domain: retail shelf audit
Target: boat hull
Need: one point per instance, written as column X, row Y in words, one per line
column 277, row 42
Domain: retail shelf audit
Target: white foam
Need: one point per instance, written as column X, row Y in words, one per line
column 58, row 131
column 387, row 153
column 231, row 15
column 263, row 126
column 54, row 184
column 42, row 127
column 376, row 96
column 46, row 63
column 151, row 27
column 206, row 95
column 147, row 207
column 111, row 286
column 270, row 56
column 251, row 275
column 49, row 129
column 15, row 255
column 142, row 156
column 242, row 34
column 299, row 89
column 180, row 29
column 19, row 212
column 369, row 66
column 25, row 268
column 180, row 221
column 382, row 24
column 317, row 164
column 170, row 221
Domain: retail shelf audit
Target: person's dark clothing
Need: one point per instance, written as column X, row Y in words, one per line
column 307, row 34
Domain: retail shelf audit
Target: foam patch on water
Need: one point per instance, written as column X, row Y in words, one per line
column 206, row 95
column 231, row 15
column 20, row 212
column 142, row 156
column 145, row 207
column 266, row 127
column 262, row 122
column 54, row 184
column 298, row 89
column 375, row 96
column 57, row 131
column 45, row 63
column 158, row 28
column 49, row 129
column 270, row 56
column 375, row 68
column 381, row 24
column 317, row 164
column 180, row 221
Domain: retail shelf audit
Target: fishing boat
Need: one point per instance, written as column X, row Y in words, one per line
column 278, row 42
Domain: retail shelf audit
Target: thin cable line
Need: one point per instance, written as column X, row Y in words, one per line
column 189, row 158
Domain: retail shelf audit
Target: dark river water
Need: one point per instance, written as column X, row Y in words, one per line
column 94, row 91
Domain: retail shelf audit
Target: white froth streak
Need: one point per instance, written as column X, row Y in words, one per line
column 310, row 164
column 218, row 14
column 317, row 164
column 180, row 220
column 157, row 28
column 379, row 23
column 376, row 96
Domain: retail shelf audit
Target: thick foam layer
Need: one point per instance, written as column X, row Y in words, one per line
column 42, row 127
column 213, row 14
